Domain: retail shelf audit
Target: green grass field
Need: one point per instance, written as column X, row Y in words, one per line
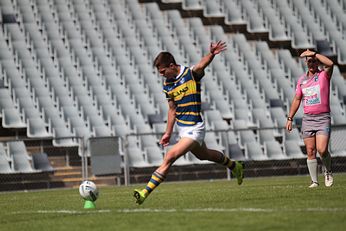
column 274, row 203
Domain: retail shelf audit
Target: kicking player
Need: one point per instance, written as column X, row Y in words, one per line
column 183, row 91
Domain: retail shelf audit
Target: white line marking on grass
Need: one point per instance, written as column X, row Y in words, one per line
column 62, row 212
column 320, row 210
column 73, row 211
column 231, row 210
column 228, row 210
column 196, row 210
column 146, row 210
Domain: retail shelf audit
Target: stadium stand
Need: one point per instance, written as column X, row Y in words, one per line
column 75, row 69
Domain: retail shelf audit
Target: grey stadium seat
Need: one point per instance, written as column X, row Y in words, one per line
column 41, row 162
column 11, row 118
column 253, row 151
column 273, row 150
column 154, row 155
column 192, row 4
column 21, row 159
column 292, row 149
column 233, row 13
column 235, row 152
column 37, row 128
column 5, row 167
column 136, row 158
column 5, row 161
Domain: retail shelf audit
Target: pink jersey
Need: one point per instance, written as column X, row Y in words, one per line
column 314, row 92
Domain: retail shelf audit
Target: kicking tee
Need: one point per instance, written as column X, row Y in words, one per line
column 185, row 91
column 314, row 92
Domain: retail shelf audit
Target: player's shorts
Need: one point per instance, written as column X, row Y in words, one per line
column 313, row 125
column 195, row 132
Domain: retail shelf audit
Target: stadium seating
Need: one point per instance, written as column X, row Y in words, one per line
column 293, row 150
column 5, row 166
column 40, row 162
column 5, row 161
column 21, row 159
column 192, row 5
column 84, row 68
column 14, row 158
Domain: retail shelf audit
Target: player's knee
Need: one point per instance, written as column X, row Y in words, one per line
column 322, row 150
column 310, row 151
column 170, row 157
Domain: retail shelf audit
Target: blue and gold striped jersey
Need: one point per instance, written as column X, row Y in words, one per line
column 185, row 91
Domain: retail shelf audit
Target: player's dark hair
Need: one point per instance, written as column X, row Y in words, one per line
column 164, row 59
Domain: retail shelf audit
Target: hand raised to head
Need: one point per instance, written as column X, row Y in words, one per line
column 308, row 53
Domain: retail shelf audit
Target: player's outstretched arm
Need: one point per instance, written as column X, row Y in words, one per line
column 214, row 49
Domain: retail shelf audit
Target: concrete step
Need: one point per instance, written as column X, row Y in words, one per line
column 68, row 169
column 58, row 161
column 99, row 181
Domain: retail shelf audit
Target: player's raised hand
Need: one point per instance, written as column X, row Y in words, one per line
column 308, row 53
column 218, row 47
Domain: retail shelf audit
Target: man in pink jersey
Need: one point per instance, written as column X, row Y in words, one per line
column 313, row 89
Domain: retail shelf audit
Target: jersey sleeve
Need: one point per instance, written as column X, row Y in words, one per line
column 324, row 74
column 196, row 76
column 167, row 96
column 166, row 93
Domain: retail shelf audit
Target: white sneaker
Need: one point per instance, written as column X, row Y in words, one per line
column 314, row 185
column 328, row 179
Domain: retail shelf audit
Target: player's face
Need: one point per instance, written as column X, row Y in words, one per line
column 167, row 72
column 312, row 63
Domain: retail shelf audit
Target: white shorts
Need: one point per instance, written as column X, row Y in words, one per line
column 195, row 132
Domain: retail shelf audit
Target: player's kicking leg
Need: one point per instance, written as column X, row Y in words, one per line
column 236, row 167
column 155, row 180
column 179, row 149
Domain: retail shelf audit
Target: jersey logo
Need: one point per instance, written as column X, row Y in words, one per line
column 312, row 95
column 181, row 91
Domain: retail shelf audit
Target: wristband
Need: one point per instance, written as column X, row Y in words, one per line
column 289, row 118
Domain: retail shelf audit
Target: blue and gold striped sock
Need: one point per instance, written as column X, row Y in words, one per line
column 154, row 181
column 227, row 162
